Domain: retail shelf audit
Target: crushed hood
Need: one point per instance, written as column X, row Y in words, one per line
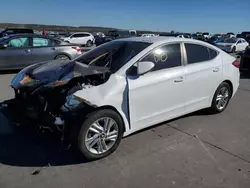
column 47, row 73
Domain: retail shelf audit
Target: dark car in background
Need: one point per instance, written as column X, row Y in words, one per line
column 21, row 50
column 245, row 59
column 11, row 31
column 112, row 35
column 245, row 35
column 215, row 39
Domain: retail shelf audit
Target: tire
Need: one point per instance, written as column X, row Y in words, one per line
column 91, row 153
column 234, row 49
column 89, row 43
column 215, row 109
column 62, row 57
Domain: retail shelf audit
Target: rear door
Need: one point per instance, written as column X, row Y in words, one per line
column 244, row 44
column 17, row 55
column 239, row 45
column 203, row 73
column 44, row 49
column 84, row 38
column 79, row 38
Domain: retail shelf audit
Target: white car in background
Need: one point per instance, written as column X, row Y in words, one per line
column 148, row 35
column 81, row 38
column 233, row 45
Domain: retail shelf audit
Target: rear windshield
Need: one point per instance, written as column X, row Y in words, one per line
column 113, row 54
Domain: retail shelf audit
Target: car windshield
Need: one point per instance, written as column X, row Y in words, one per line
column 230, row 40
column 113, row 54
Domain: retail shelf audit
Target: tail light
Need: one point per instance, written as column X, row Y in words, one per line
column 77, row 48
column 236, row 64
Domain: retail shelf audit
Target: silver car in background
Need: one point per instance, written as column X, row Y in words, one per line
column 21, row 50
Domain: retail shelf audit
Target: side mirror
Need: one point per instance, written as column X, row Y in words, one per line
column 144, row 67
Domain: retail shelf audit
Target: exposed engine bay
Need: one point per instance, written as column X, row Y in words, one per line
column 44, row 92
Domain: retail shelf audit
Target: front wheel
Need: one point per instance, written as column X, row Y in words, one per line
column 100, row 134
column 221, row 98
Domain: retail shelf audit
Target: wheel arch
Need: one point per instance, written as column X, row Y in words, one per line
column 230, row 84
column 224, row 81
column 63, row 54
column 121, row 114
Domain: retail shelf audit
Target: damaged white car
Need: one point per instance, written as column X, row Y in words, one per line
column 121, row 87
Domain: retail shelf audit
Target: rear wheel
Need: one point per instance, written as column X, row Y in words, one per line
column 62, row 57
column 100, row 134
column 89, row 43
column 221, row 98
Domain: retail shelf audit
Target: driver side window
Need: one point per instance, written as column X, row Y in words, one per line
column 165, row 57
column 19, row 42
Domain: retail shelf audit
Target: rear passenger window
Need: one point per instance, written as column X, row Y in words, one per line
column 197, row 53
column 165, row 57
column 212, row 53
column 37, row 42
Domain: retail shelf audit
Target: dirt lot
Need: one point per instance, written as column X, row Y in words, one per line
column 197, row 150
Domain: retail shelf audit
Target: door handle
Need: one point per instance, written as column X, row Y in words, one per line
column 179, row 80
column 216, row 69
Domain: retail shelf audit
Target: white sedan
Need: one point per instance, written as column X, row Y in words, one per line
column 233, row 45
column 148, row 35
column 81, row 38
column 159, row 78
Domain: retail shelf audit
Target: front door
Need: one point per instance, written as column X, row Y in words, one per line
column 159, row 94
column 203, row 74
column 17, row 55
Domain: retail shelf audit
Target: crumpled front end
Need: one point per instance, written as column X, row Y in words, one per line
column 44, row 92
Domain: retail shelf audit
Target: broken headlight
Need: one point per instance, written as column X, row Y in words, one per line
column 71, row 103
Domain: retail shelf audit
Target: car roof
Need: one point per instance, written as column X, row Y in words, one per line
column 81, row 33
column 27, row 34
column 13, row 28
column 160, row 39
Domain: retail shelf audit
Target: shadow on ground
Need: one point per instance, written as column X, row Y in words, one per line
column 245, row 74
column 9, row 71
column 22, row 146
column 25, row 146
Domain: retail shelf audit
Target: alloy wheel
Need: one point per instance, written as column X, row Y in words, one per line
column 101, row 135
column 222, row 98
